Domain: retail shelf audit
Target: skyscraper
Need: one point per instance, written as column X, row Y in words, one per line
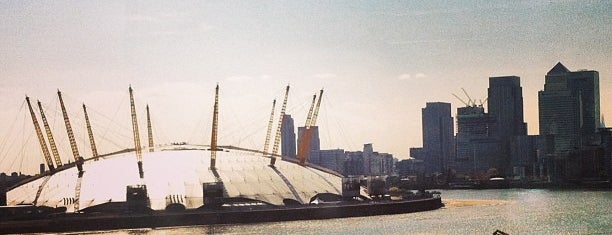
column 437, row 136
column 477, row 149
column 288, row 137
column 569, row 116
column 505, row 104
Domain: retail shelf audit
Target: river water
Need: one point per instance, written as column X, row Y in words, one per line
column 514, row 211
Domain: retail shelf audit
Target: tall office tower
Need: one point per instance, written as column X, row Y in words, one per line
column 569, row 117
column 437, row 136
column 505, row 103
column 288, row 137
column 315, row 143
column 476, row 147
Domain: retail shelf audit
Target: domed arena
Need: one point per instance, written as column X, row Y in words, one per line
column 175, row 174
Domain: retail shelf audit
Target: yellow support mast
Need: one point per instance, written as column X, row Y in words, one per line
column 311, row 120
column 137, row 146
column 279, row 128
column 149, row 130
column 213, row 139
column 270, row 124
column 92, row 141
column 41, row 139
column 56, row 157
column 78, row 160
column 309, row 116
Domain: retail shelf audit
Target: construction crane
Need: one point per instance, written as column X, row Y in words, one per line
column 308, row 132
column 462, row 101
column 149, row 130
column 215, row 125
column 56, row 157
column 136, row 135
column 41, row 139
column 269, row 131
column 92, row 142
column 279, row 128
column 471, row 102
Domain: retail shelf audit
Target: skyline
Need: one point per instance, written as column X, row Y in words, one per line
column 379, row 64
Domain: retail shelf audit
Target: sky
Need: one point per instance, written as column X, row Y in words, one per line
column 379, row 62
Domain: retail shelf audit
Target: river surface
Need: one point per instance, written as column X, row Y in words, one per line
column 514, row 211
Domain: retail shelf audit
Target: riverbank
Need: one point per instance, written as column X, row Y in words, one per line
column 483, row 211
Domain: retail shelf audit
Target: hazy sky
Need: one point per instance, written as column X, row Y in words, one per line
column 379, row 63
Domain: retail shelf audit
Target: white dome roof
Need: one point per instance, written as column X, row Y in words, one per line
column 178, row 171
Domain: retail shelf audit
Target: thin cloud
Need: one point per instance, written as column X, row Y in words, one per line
column 408, row 77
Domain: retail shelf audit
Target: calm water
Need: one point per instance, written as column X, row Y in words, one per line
column 524, row 211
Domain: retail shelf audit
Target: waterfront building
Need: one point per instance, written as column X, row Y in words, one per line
column 368, row 151
column 505, row 104
column 438, row 141
column 354, row 163
column 524, row 156
column 409, row 167
column 476, row 146
column 416, row 153
column 367, row 162
column 606, row 145
column 333, row 159
column 288, row 137
column 569, row 115
column 388, row 164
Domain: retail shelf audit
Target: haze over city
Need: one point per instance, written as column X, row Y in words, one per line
column 378, row 62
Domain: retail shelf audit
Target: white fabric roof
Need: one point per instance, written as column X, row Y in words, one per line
column 180, row 173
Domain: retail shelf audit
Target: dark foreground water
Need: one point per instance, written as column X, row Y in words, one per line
column 515, row 211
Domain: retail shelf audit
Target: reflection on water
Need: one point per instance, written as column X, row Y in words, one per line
column 515, row 211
